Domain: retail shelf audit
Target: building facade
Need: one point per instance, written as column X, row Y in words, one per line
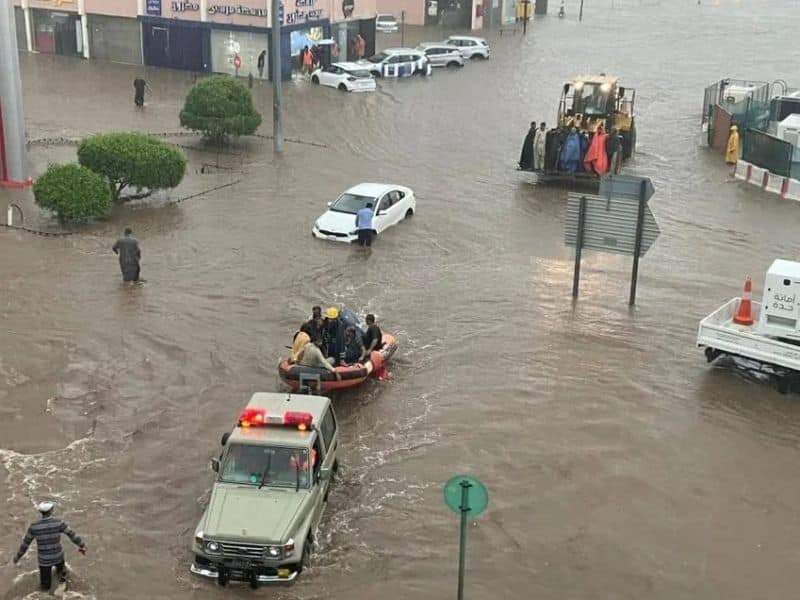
column 223, row 36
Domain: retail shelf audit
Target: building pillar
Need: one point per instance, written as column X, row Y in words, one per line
column 14, row 167
column 84, row 27
column 26, row 10
column 204, row 11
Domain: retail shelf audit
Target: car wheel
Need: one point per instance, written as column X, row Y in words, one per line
column 453, row 63
column 343, row 87
column 305, row 559
column 315, row 80
column 409, row 213
column 376, row 73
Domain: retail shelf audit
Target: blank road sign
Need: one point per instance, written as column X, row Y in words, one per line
column 610, row 224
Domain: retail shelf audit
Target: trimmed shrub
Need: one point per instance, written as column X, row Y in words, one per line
column 72, row 192
column 218, row 106
column 133, row 159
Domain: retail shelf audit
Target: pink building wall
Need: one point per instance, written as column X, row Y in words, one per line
column 59, row 5
column 114, row 8
column 415, row 10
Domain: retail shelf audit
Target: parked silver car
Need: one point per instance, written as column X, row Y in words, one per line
column 440, row 54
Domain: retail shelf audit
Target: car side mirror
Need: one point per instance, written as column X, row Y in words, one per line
column 215, row 465
column 224, row 439
column 324, row 473
column 330, row 203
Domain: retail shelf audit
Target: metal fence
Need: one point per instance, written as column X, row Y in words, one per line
column 714, row 95
column 719, row 128
column 769, row 152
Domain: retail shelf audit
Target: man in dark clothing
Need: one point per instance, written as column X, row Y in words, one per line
column 526, row 156
column 139, row 86
column 260, row 64
column 47, row 533
column 373, row 338
column 315, row 326
column 129, row 255
column 353, row 347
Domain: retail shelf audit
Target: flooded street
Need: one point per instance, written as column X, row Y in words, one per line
column 619, row 464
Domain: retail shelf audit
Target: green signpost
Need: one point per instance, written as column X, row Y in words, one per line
column 467, row 497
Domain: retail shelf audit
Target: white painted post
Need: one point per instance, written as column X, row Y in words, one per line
column 10, row 215
column 26, row 10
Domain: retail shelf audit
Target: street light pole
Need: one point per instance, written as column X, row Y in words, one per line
column 13, row 149
column 277, row 90
column 580, row 16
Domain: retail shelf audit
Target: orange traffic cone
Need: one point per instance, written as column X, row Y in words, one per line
column 744, row 314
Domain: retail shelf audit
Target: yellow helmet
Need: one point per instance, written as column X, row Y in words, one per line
column 332, row 312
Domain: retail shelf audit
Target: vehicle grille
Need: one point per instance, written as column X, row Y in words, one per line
column 333, row 233
column 237, row 550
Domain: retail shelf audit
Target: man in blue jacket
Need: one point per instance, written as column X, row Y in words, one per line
column 364, row 225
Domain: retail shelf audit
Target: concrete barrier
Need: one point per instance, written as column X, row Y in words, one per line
column 757, row 176
column 774, row 183
column 792, row 189
column 743, row 170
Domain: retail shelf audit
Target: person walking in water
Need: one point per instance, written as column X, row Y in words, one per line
column 262, row 58
column 47, row 533
column 127, row 248
column 364, row 225
column 539, row 145
column 139, row 86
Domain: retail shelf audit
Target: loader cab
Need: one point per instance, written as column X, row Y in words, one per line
column 590, row 101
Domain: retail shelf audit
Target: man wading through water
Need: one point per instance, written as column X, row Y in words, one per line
column 47, row 533
column 129, row 254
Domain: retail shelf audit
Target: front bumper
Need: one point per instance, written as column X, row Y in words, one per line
column 281, row 575
column 327, row 235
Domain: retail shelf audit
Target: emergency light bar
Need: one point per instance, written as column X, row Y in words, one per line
column 258, row 417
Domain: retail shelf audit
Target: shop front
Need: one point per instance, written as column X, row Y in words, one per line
column 303, row 23
column 57, row 32
column 114, row 31
column 240, row 38
column 174, row 36
column 351, row 18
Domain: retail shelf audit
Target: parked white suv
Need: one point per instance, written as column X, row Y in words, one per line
column 471, row 47
column 397, row 62
column 442, row 55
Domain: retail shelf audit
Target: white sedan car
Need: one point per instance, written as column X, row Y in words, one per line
column 391, row 203
column 346, row 76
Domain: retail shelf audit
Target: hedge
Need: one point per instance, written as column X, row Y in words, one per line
column 72, row 192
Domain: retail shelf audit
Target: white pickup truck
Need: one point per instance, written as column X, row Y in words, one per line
column 775, row 355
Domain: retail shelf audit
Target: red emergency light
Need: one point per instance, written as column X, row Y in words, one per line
column 258, row 417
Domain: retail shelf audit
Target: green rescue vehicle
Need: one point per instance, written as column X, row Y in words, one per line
column 273, row 479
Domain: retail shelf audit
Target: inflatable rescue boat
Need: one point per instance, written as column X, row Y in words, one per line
column 352, row 375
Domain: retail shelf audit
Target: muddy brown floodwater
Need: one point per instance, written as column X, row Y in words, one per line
column 619, row 464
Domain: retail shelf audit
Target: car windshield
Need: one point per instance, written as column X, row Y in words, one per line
column 359, row 73
column 388, row 18
column 592, row 99
column 378, row 57
column 271, row 465
column 351, row 203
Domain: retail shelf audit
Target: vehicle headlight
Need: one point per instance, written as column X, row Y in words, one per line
column 273, row 552
column 288, row 547
column 198, row 538
column 212, row 546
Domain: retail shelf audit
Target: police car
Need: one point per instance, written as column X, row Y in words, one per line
column 271, row 489
column 398, row 62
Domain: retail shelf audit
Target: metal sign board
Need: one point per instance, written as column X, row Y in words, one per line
column 610, row 224
column 626, row 186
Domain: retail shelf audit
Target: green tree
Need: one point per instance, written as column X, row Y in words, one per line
column 133, row 159
column 219, row 106
column 72, row 192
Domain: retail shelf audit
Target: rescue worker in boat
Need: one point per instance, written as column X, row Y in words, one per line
column 47, row 533
column 539, row 145
column 311, row 356
column 353, row 347
column 333, row 336
column 526, row 160
column 732, row 151
column 373, row 338
column 315, row 325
